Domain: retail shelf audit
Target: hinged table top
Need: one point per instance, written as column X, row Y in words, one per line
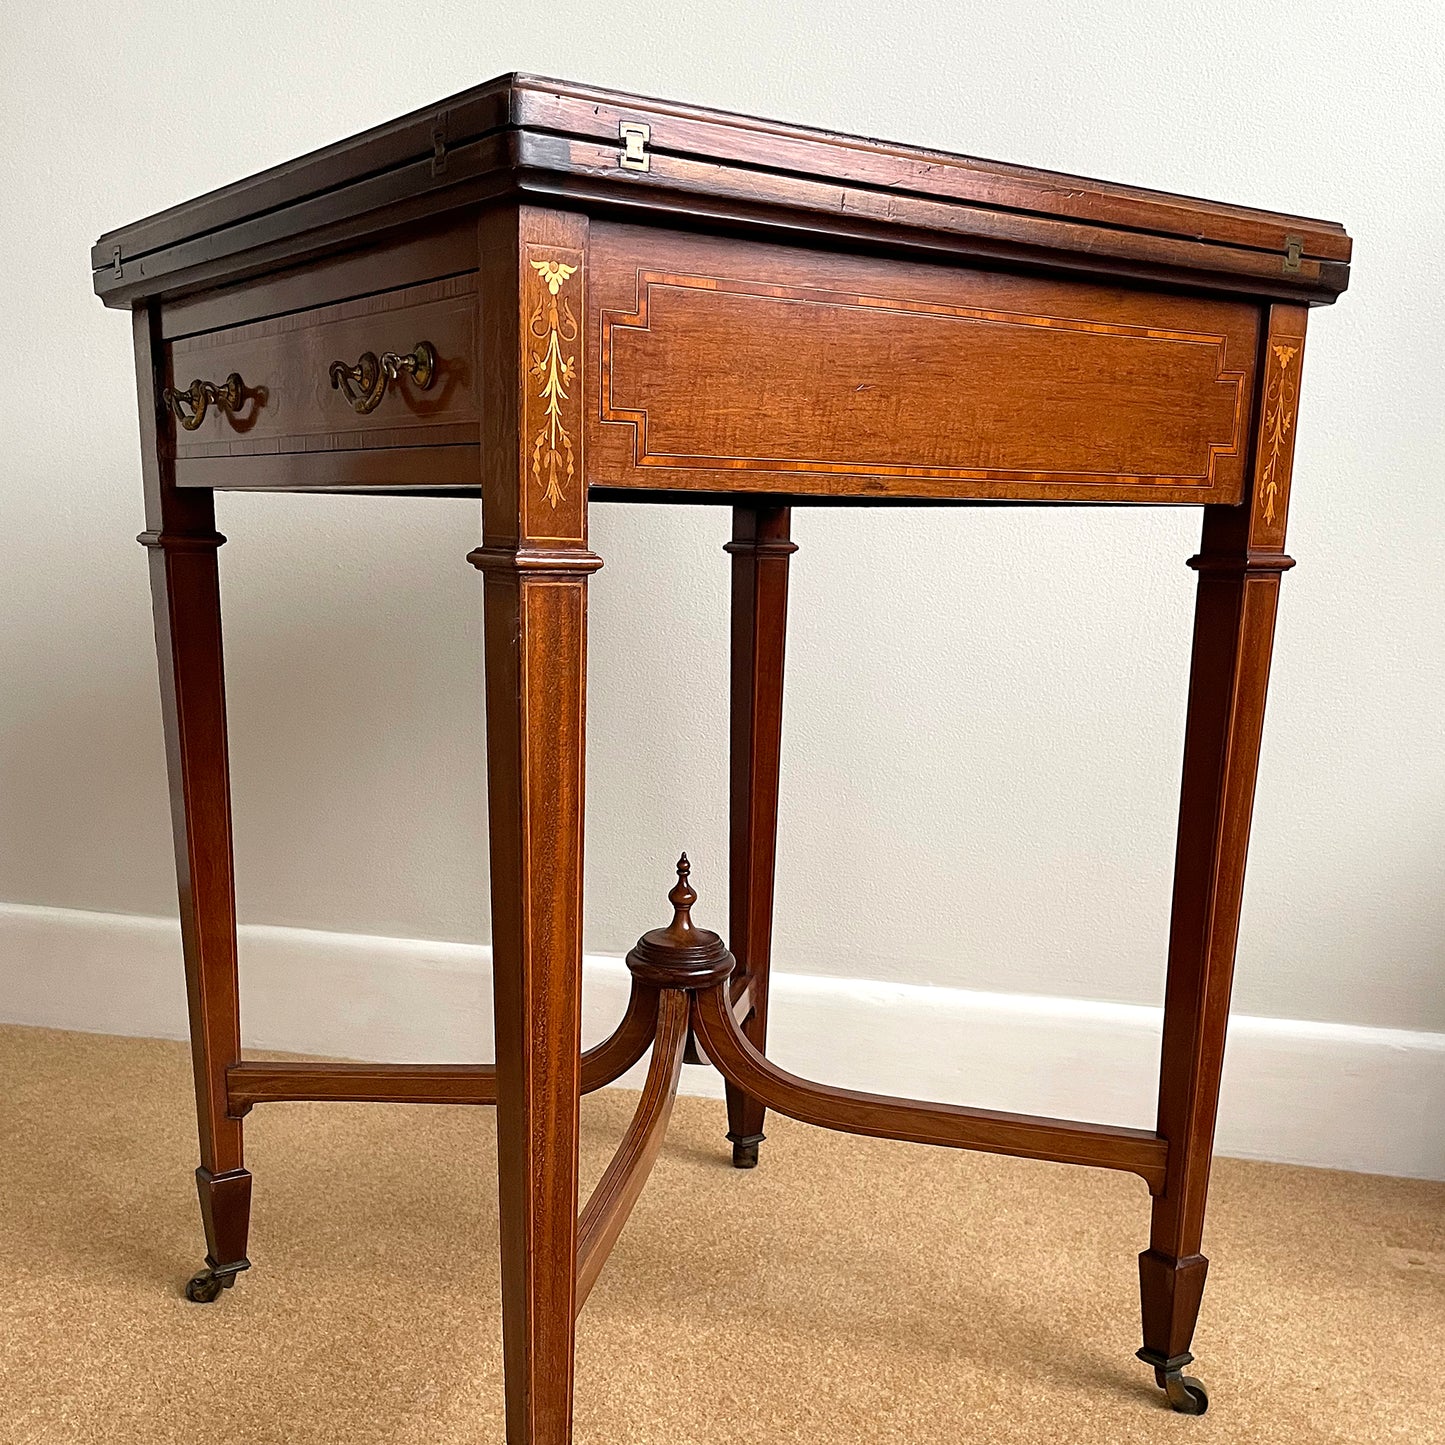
column 598, row 151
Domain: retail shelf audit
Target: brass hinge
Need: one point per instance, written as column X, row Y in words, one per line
column 1294, row 247
column 439, row 144
column 634, row 136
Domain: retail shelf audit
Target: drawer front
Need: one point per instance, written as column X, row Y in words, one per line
column 805, row 372
column 288, row 400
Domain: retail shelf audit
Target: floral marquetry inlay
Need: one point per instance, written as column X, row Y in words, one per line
column 1279, row 409
column 553, row 327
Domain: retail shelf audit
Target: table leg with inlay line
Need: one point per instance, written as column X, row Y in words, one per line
column 536, row 565
column 1240, row 562
column 185, row 591
column 761, row 549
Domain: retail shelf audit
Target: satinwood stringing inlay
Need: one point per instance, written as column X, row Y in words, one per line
column 727, row 373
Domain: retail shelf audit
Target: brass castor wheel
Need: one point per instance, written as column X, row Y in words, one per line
column 745, row 1150
column 1185, row 1394
column 205, row 1287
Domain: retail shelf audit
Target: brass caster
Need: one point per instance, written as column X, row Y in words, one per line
column 201, row 1289
column 206, row 1287
column 1185, row 1394
column 745, row 1150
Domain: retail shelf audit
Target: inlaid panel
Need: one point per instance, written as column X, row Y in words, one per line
column 723, row 357
column 553, row 494
column 1284, row 361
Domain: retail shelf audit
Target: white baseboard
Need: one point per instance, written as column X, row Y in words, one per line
column 1333, row 1095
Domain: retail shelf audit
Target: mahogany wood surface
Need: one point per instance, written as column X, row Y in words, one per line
column 1241, row 560
column 1106, row 1146
column 809, row 373
column 450, row 470
column 738, row 312
column 621, row 1185
column 726, row 365
column 289, row 401
column 761, row 549
column 535, row 561
column 415, row 256
column 556, row 143
column 687, row 130
column 182, row 540
column 252, row 1082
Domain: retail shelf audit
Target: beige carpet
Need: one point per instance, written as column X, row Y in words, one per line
column 846, row 1291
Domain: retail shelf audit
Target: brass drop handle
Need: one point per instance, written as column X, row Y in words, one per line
column 201, row 394
column 374, row 374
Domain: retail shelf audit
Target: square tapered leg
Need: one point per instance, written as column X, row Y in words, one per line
column 761, row 547
column 185, row 591
column 1240, row 563
column 536, row 564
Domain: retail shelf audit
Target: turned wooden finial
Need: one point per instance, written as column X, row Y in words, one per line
column 682, row 897
column 682, row 955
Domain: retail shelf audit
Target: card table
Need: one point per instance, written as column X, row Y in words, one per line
column 546, row 295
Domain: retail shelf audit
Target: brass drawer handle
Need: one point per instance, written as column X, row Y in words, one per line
column 228, row 397
column 374, row 375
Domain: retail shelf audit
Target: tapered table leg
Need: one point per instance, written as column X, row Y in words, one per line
column 183, row 541
column 761, row 547
column 1240, row 563
column 536, row 564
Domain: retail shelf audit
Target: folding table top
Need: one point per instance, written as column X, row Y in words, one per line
column 555, row 143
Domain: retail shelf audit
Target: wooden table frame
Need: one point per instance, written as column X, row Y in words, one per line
column 552, row 429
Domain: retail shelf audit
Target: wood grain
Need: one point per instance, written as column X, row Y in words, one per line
column 556, row 144
column 729, row 364
column 1106, row 1146
column 285, row 362
column 761, row 550
column 252, row 1082
column 536, row 667
column 384, row 263
column 452, row 469
column 1240, row 562
column 766, row 316
column 679, row 130
column 621, row 1185
column 183, row 542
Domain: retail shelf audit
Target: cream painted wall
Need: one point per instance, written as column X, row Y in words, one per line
column 985, row 716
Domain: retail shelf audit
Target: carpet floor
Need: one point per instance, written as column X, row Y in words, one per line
column 848, row 1290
